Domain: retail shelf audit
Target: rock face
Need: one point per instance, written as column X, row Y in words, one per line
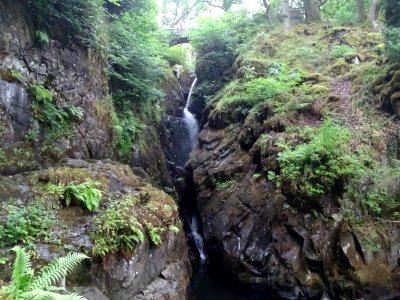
column 267, row 240
column 75, row 78
column 146, row 272
column 74, row 75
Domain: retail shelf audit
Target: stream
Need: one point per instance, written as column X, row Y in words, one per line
column 206, row 284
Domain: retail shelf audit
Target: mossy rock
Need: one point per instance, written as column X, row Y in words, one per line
column 318, row 89
column 316, row 78
column 341, row 67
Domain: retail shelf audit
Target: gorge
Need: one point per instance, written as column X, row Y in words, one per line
column 253, row 163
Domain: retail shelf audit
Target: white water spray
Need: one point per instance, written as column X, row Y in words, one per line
column 190, row 119
column 197, row 238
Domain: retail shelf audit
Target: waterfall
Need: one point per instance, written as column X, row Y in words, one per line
column 193, row 131
column 197, row 238
column 190, row 120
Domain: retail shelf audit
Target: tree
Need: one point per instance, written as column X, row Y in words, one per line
column 267, row 7
column 286, row 16
column 175, row 12
column 373, row 11
column 312, row 9
column 361, row 11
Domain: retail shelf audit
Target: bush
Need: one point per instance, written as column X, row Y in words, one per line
column 242, row 97
column 25, row 224
column 314, row 168
column 117, row 228
column 181, row 55
column 135, row 64
column 341, row 51
column 126, row 128
column 78, row 21
column 392, row 47
column 85, row 192
column 45, row 110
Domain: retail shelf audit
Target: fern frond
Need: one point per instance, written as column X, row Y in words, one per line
column 38, row 294
column 57, row 270
column 22, row 271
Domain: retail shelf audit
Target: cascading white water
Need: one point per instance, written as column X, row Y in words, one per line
column 190, row 119
column 197, row 238
column 193, row 132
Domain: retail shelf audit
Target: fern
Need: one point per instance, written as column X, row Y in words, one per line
column 47, row 295
column 22, row 271
column 57, row 270
column 84, row 192
column 25, row 286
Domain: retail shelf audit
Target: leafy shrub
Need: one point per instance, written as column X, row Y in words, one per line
column 340, row 11
column 45, row 110
column 25, row 285
column 392, row 37
column 25, row 224
column 214, row 42
column 154, row 235
column 76, row 20
column 242, row 97
column 314, row 168
column 126, row 128
column 42, row 37
column 117, row 228
column 181, row 55
column 85, row 192
column 135, row 51
column 340, row 51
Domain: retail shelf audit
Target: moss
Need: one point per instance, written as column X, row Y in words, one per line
column 340, row 67
column 376, row 274
column 318, row 89
column 11, row 75
column 17, row 159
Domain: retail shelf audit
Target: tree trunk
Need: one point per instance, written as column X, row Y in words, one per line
column 373, row 11
column 286, row 16
column 312, row 10
column 267, row 9
column 361, row 11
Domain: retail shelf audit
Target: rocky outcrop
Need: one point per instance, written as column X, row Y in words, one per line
column 145, row 272
column 76, row 79
column 271, row 241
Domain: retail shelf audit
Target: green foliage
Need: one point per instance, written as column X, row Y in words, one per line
column 135, row 51
column 25, row 285
column 117, row 228
column 215, row 42
column 42, row 37
column 154, row 235
column 379, row 197
column 315, row 167
column 45, row 110
column 126, row 128
column 77, row 21
column 242, row 97
column 181, row 55
column 339, row 11
column 85, row 192
column 340, row 51
column 222, row 185
column 32, row 135
column 40, row 93
column 25, row 224
column 392, row 37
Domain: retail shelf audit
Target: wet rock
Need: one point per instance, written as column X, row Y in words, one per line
column 118, row 275
column 259, row 237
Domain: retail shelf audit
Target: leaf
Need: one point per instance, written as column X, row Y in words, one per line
column 57, row 270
